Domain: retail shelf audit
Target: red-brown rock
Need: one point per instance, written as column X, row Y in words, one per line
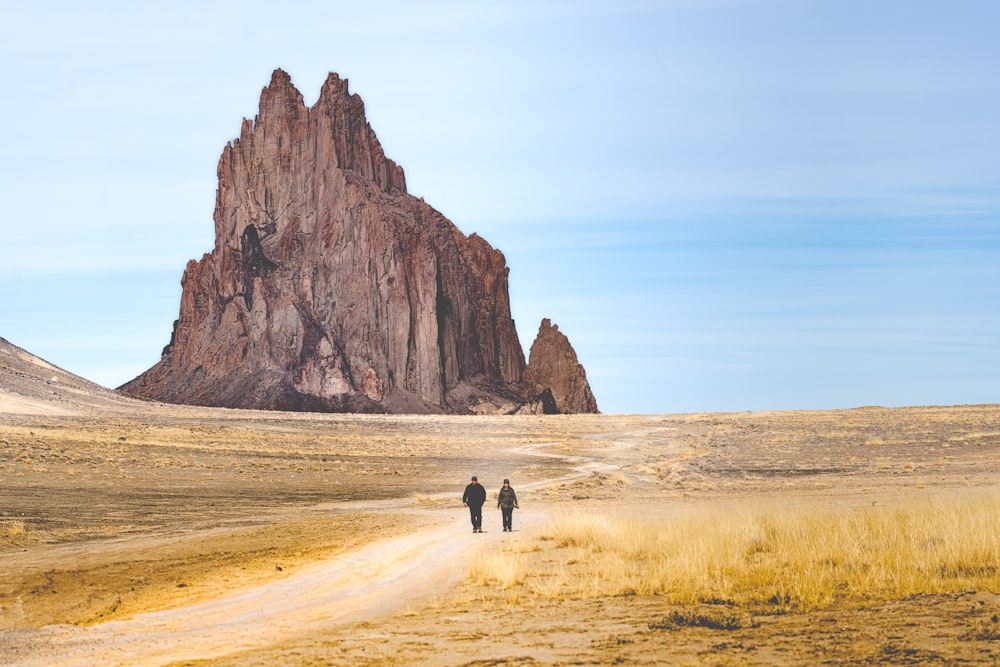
column 329, row 287
column 556, row 378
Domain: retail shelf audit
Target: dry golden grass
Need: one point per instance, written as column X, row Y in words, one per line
column 11, row 528
column 796, row 558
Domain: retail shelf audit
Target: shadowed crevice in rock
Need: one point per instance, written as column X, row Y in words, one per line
column 253, row 262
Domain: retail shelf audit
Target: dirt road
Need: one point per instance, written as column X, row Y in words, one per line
column 369, row 583
column 372, row 582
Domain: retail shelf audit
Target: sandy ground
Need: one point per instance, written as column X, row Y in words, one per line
column 133, row 533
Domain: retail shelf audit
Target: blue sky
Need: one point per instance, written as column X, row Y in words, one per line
column 725, row 204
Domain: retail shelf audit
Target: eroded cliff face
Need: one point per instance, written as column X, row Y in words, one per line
column 329, row 287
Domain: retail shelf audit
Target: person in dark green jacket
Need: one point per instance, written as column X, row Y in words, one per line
column 506, row 503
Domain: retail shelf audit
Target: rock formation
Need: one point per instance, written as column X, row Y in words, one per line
column 330, row 288
column 555, row 376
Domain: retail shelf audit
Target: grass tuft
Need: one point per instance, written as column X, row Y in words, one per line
column 686, row 619
column 11, row 528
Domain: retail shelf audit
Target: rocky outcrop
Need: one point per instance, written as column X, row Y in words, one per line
column 329, row 287
column 555, row 377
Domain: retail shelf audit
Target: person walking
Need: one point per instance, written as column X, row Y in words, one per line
column 507, row 503
column 473, row 498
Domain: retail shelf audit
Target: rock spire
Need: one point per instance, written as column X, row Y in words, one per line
column 555, row 376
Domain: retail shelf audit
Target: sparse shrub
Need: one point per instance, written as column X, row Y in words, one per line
column 502, row 570
column 688, row 619
column 11, row 528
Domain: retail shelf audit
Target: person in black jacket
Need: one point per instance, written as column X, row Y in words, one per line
column 506, row 503
column 473, row 498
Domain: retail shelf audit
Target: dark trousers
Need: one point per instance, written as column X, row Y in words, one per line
column 508, row 517
column 476, row 514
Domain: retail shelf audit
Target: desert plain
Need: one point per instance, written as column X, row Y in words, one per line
column 136, row 533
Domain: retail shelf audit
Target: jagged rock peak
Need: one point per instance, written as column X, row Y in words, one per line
column 281, row 86
column 336, row 111
column 559, row 380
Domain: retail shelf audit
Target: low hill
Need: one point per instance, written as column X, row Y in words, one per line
column 31, row 385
